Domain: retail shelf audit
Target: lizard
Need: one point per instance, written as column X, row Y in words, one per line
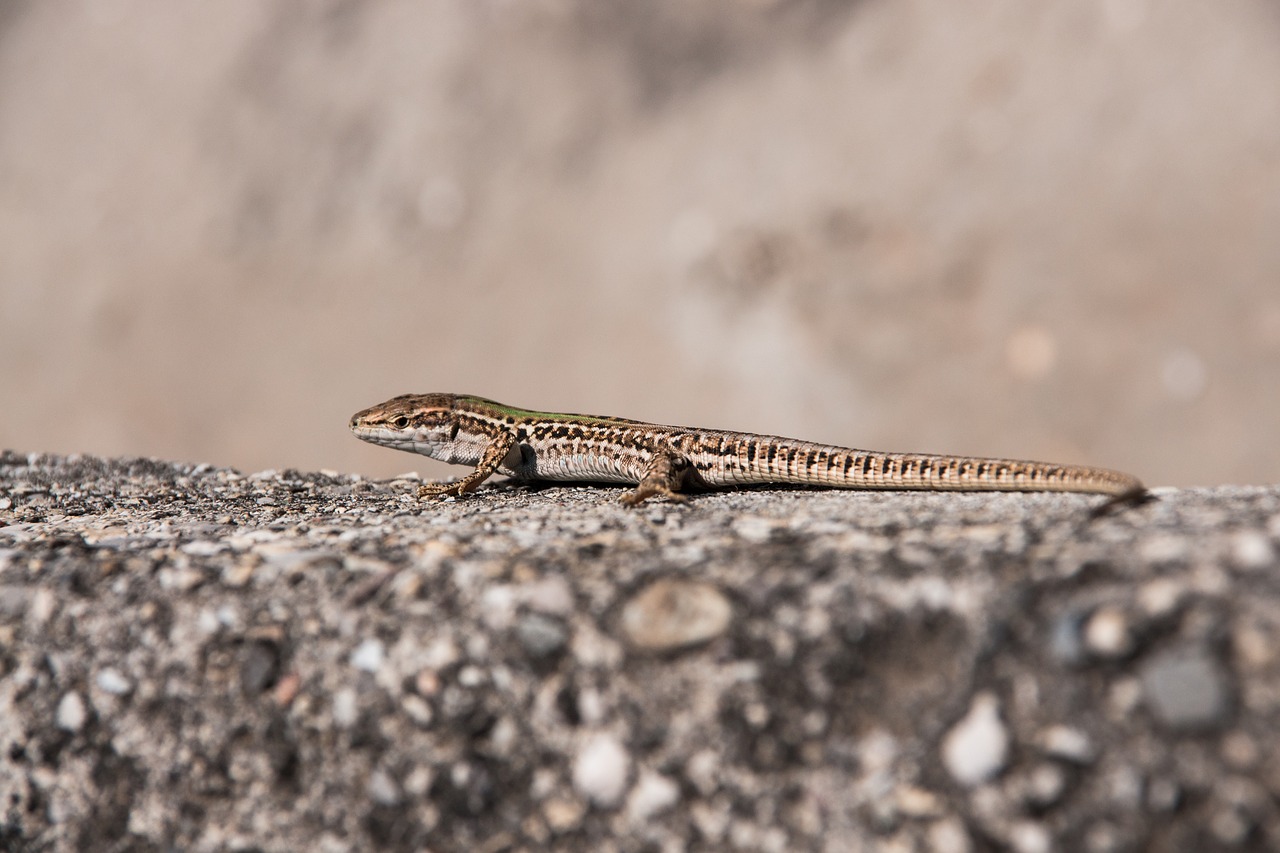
column 664, row 460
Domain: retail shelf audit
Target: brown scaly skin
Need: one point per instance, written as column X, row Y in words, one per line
column 663, row 460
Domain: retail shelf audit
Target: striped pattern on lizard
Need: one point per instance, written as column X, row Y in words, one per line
column 664, row 460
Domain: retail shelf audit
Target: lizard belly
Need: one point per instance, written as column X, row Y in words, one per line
column 589, row 465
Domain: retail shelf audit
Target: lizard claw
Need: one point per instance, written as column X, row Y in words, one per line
column 437, row 490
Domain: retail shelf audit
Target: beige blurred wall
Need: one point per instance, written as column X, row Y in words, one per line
column 1047, row 230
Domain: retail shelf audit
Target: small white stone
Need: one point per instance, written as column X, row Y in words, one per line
column 1045, row 784
column 1160, row 596
column 1230, row 827
column 368, row 656
column 563, row 814
column 382, row 789
column 1106, row 634
column 1161, row 549
column 703, row 770
column 1028, row 837
column 228, row 617
column 591, row 708
column 552, row 596
column 71, row 713
column 1240, row 751
column 208, row 622
column 498, row 607
column 111, row 681
column 949, row 836
column 600, row 770
column 712, row 820
column 652, row 794
column 201, row 548
column 976, row 747
column 918, row 802
column 237, row 575
column 1252, row 550
column 504, row 737
column 43, row 604
column 345, row 708
column 1068, row 744
column 442, row 653
column 418, row 709
column 181, row 579
column 754, row 529
column 471, row 676
column 418, row 782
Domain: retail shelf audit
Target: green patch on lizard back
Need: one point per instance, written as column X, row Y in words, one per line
column 502, row 410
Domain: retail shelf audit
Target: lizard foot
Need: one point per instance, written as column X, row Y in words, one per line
column 438, row 490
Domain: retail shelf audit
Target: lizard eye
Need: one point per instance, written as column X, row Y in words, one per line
column 400, row 422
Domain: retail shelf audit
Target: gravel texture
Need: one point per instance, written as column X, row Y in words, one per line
column 192, row 658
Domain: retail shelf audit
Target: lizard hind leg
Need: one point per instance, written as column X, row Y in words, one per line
column 663, row 478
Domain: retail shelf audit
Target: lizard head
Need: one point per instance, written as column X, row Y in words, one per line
column 414, row 422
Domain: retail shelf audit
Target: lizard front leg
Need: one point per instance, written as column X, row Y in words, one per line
column 664, row 476
column 496, row 451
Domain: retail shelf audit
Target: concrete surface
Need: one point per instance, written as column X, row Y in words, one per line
column 192, row 658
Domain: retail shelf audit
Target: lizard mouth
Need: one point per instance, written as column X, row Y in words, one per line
column 393, row 438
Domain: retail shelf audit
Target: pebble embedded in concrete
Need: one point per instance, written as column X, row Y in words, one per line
column 1186, row 690
column 1068, row 744
column 671, row 614
column 71, row 714
column 1107, row 633
column 975, row 749
column 652, row 794
column 345, row 708
column 1252, row 549
column 382, row 788
column 541, row 636
column 600, row 770
column 111, row 681
column 368, row 656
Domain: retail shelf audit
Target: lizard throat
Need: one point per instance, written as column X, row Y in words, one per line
column 463, row 450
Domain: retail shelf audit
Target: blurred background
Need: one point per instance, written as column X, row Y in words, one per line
column 1046, row 230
